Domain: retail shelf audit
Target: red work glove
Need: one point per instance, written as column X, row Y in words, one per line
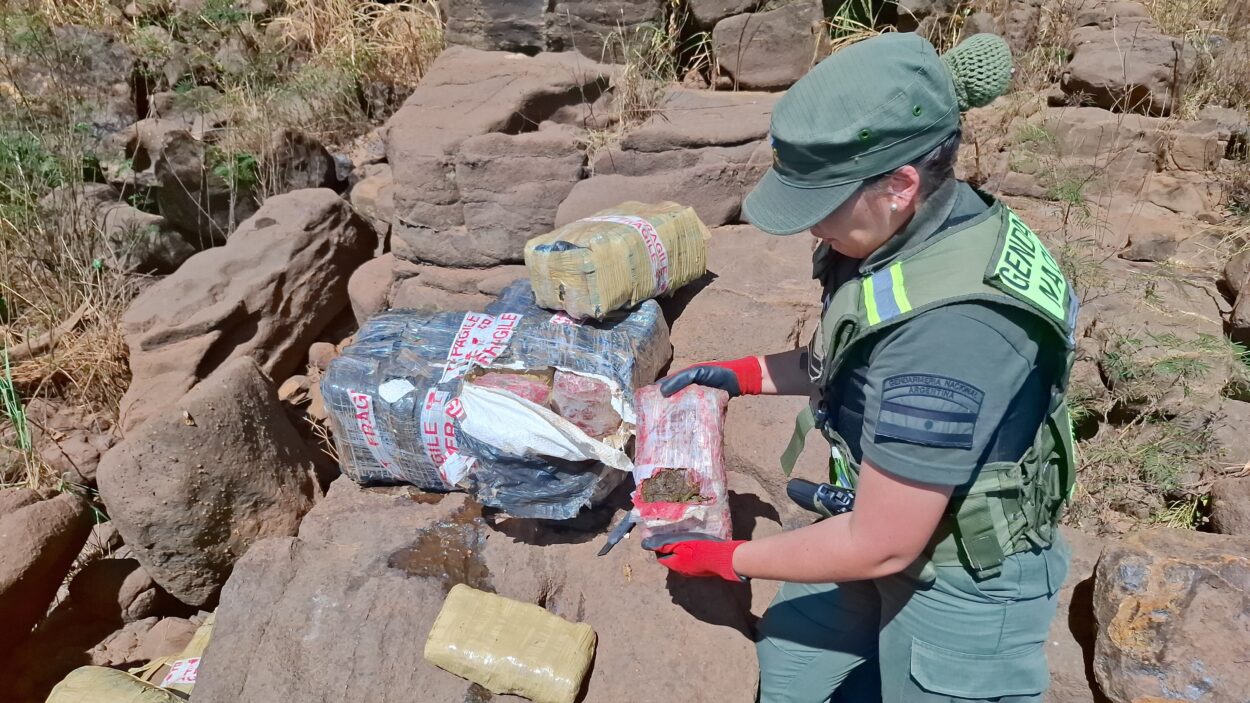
column 701, row 557
column 738, row 377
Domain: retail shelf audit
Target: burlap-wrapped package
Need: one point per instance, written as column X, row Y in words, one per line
column 507, row 646
column 95, row 684
column 617, row 258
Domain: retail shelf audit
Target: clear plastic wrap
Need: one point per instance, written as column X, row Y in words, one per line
column 679, row 463
column 617, row 258
column 396, row 406
column 510, row 647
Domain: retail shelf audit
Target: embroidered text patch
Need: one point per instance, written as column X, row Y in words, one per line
column 931, row 410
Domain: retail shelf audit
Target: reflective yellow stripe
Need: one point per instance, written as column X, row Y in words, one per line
column 870, row 302
column 900, row 290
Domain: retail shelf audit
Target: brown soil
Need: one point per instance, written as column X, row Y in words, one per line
column 670, row 486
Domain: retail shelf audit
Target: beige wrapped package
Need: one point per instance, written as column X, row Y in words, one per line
column 96, row 684
column 617, row 258
column 507, row 646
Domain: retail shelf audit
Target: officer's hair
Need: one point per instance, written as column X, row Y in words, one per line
column 935, row 168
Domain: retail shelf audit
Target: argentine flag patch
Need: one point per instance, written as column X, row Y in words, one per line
column 930, row 410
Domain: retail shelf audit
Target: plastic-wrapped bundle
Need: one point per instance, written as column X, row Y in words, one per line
column 617, row 258
column 631, row 345
column 679, row 465
column 507, row 646
column 398, row 410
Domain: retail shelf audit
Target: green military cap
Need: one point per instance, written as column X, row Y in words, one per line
column 866, row 110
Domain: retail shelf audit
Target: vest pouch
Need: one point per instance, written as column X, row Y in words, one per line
column 1019, row 672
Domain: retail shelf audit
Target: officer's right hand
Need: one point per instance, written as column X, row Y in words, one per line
column 738, row 377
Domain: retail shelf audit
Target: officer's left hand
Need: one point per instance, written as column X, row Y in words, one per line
column 696, row 555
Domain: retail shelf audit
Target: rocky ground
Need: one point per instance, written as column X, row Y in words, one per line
column 245, row 247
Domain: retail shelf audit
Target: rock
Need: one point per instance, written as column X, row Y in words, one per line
column 131, row 241
column 140, row 242
column 61, row 643
column 294, row 390
column 320, row 354
column 510, row 188
column 1170, row 606
column 1126, row 69
column 295, row 160
column 1108, row 14
column 1070, row 648
column 691, row 119
column 75, row 455
column 1236, row 275
column 532, row 26
column 118, row 590
column 500, row 277
column 595, row 28
column 509, row 92
column 143, row 140
column 369, row 285
column 913, row 13
column 87, row 68
column 1180, row 195
column 319, row 601
column 122, row 647
column 41, row 539
column 713, row 181
column 374, row 198
column 193, row 487
column 267, row 294
column 771, row 50
column 707, row 13
column 167, row 638
column 495, row 25
column 428, row 297
column 774, row 273
column 1134, row 339
column 104, row 541
column 1230, row 506
column 195, row 195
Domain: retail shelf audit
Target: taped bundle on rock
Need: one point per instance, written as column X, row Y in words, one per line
column 96, row 684
column 527, row 410
column 510, row 647
column 679, row 465
column 617, row 258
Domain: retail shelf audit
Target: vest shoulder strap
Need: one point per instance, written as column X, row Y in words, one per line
column 999, row 260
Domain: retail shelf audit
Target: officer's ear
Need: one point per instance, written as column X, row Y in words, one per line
column 903, row 188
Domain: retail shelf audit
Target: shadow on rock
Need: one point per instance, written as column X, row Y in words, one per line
column 586, row 526
column 747, row 511
column 674, row 305
column 715, row 602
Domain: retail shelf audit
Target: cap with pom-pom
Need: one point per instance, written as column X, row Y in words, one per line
column 868, row 109
column 981, row 68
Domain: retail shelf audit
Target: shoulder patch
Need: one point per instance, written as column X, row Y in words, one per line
column 931, row 410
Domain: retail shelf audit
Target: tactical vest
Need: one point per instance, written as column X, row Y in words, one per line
column 996, row 260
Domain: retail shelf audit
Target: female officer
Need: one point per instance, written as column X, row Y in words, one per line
column 937, row 376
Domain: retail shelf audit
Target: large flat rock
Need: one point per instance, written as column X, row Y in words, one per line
column 346, row 605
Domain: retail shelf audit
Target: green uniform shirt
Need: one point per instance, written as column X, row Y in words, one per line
column 957, row 387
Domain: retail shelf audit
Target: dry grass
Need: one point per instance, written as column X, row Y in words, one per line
column 331, row 68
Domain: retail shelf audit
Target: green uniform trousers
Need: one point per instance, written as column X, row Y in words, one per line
column 897, row 641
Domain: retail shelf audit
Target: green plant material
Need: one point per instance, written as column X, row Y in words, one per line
column 11, row 404
column 220, row 14
column 239, row 170
column 1189, row 513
